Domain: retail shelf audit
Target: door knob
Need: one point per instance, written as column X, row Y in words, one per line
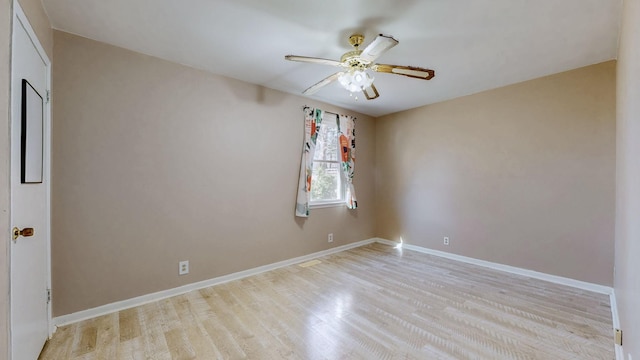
column 26, row 232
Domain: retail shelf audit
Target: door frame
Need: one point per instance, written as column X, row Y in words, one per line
column 20, row 19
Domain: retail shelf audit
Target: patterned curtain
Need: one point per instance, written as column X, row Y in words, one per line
column 347, row 127
column 312, row 121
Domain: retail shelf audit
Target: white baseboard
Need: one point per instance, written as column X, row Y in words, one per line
column 616, row 323
column 145, row 299
column 389, row 242
column 506, row 268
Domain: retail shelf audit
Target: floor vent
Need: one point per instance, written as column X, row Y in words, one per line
column 310, row 263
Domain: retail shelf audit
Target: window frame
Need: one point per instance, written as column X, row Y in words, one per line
column 341, row 180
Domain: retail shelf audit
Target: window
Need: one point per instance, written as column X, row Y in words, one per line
column 328, row 159
column 327, row 185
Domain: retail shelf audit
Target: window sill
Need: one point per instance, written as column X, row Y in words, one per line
column 326, row 205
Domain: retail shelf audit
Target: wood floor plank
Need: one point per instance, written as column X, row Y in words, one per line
column 88, row 339
column 60, row 345
column 201, row 343
column 373, row 302
column 132, row 349
column 108, row 337
column 152, row 326
column 179, row 346
column 129, row 324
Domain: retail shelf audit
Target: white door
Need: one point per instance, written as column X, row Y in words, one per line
column 29, row 201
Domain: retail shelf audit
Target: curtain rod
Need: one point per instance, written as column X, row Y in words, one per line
column 326, row 112
column 329, row 112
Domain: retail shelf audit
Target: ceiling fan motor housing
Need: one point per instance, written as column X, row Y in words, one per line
column 352, row 60
column 356, row 40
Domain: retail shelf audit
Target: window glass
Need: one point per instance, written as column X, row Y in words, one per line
column 326, row 180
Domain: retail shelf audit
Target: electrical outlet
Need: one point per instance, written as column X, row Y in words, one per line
column 183, row 267
column 330, row 237
column 446, row 240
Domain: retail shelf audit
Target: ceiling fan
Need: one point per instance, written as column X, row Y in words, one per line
column 356, row 64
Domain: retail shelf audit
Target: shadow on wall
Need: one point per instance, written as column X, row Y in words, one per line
column 255, row 94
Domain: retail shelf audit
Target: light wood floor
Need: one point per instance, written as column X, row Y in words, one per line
column 373, row 302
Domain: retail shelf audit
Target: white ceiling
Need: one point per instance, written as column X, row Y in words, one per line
column 473, row 45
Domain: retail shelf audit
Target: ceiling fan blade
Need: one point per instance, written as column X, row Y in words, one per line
column 410, row 71
column 371, row 92
column 326, row 81
column 313, row 60
column 378, row 47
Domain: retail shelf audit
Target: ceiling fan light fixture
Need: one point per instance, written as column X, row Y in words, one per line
column 356, row 67
column 355, row 80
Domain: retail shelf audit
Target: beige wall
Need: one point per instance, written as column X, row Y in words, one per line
column 155, row 162
column 627, row 278
column 40, row 23
column 6, row 10
column 522, row 175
